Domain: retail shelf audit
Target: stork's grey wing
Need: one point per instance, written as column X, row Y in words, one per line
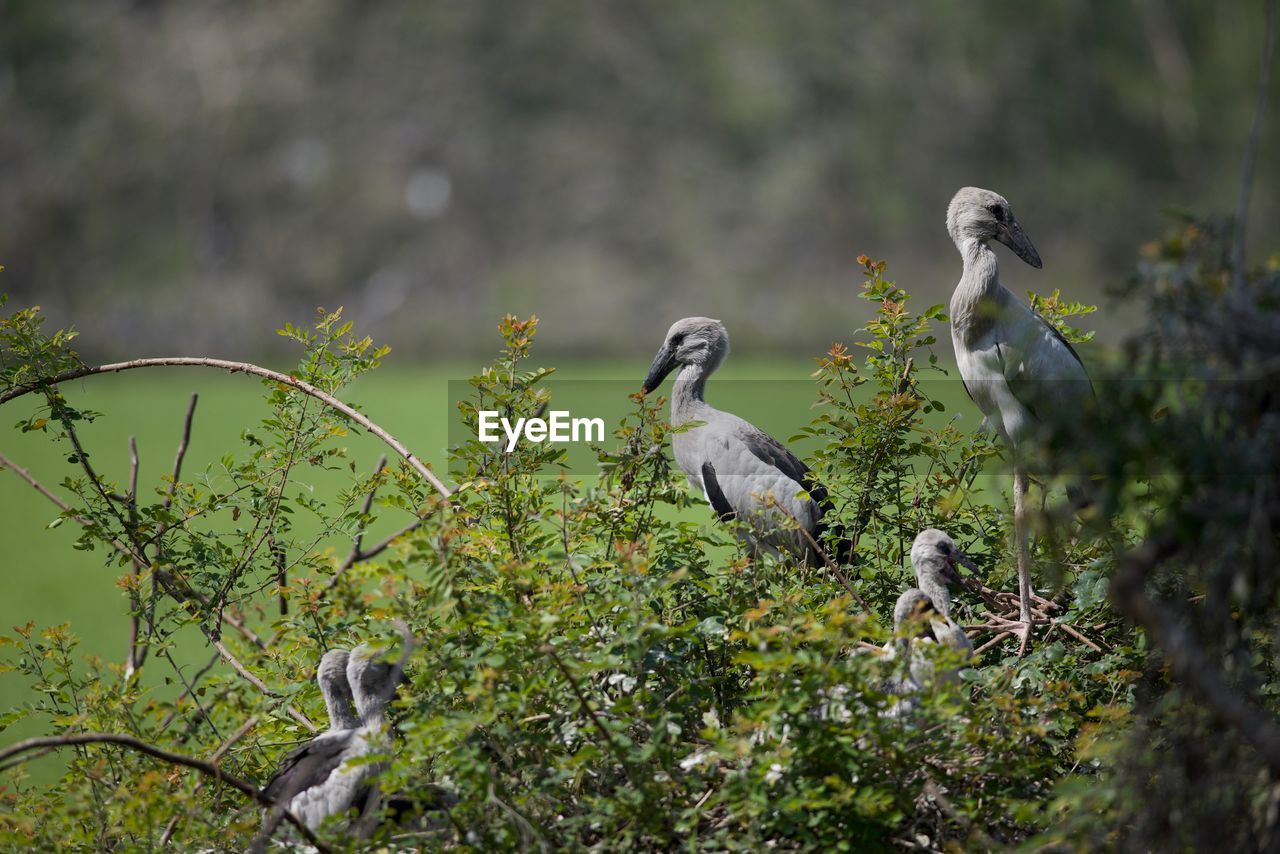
column 773, row 453
column 308, row 765
column 1057, row 333
column 1014, row 369
column 715, row 494
column 1062, row 339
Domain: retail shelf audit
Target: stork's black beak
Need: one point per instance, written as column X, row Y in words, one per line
column 958, row 557
column 1011, row 234
column 663, row 364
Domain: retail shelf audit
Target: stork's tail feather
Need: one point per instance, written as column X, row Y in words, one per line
column 833, row 540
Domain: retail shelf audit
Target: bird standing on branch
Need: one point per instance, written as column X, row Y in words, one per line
column 1016, row 366
column 745, row 474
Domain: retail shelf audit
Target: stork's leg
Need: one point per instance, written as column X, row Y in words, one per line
column 1023, row 543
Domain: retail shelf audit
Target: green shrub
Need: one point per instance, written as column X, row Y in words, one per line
column 587, row 676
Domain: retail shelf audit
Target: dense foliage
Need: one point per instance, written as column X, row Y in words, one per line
column 595, row 669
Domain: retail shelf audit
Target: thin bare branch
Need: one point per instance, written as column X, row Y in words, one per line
column 133, row 468
column 195, row 680
column 370, row 553
column 209, row 769
column 834, row 567
column 976, row 834
column 214, row 758
column 1251, row 150
column 282, row 571
column 242, row 368
column 365, row 508
column 136, row 655
column 995, row 640
column 183, row 444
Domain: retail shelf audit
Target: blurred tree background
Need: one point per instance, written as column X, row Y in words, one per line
column 181, row 175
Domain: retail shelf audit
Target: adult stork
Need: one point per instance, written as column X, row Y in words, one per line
column 1015, row 365
column 745, row 474
column 321, row 778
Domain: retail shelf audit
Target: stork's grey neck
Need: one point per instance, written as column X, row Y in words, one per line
column 373, row 710
column 687, row 397
column 979, row 282
column 342, row 712
column 936, row 590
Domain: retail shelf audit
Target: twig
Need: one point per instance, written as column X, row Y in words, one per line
column 183, row 444
column 195, row 680
column 282, row 571
column 190, row 691
column 822, row 553
column 357, row 554
column 366, row 507
column 1078, row 636
column 995, row 640
column 835, row 569
column 215, row 758
column 209, row 769
column 614, row 748
column 240, row 368
column 135, row 656
column 934, row 793
column 1251, row 150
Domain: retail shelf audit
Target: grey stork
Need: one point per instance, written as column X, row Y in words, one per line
column 745, row 474
column 1015, row 365
column 922, row 615
column 935, row 556
column 315, row 780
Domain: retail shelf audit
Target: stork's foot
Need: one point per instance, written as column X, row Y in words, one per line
column 1024, row 635
column 1006, row 626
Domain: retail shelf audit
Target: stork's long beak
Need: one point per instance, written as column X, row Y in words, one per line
column 958, row 557
column 663, row 364
column 1011, row 235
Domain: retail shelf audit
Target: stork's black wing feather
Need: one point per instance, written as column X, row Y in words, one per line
column 771, row 452
column 308, row 765
column 715, row 494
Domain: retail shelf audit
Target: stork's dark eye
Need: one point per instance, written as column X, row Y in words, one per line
column 677, row 339
column 997, row 211
column 944, row 548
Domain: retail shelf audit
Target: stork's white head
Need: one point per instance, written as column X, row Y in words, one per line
column 691, row 341
column 978, row 214
column 332, row 677
column 373, row 682
column 934, row 556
